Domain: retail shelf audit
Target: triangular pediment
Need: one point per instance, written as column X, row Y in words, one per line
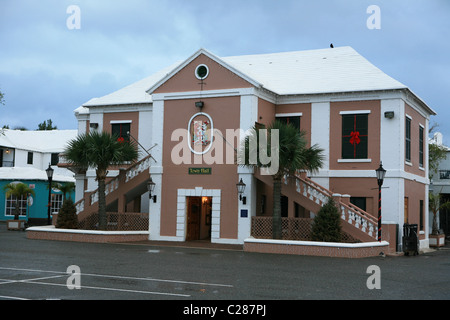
column 220, row 75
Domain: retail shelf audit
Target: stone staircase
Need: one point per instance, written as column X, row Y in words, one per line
column 307, row 193
column 312, row 196
column 132, row 182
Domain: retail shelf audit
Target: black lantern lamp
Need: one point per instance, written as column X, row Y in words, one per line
column 49, row 172
column 381, row 172
column 151, row 187
column 241, row 188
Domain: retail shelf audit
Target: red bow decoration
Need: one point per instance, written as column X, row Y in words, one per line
column 355, row 137
column 120, row 139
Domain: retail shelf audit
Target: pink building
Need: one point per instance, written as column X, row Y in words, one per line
column 359, row 115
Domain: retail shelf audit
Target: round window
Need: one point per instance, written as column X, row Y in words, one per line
column 201, row 72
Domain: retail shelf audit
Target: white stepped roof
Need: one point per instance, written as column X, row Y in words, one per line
column 314, row 71
column 132, row 94
column 330, row 70
column 45, row 141
column 30, row 173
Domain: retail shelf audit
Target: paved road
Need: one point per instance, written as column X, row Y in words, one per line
column 35, row 269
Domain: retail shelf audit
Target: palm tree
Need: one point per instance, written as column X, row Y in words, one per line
column 18, row 190
column 100, row 150
column 435, row 205
column 293, row 155
column 65, row 188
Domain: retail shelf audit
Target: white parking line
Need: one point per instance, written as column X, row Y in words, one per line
column 62, row 274
column 160, row 280
column 12, row 298
column 128, row 278
column 114, row 289
column 32, row 270
column 28, row 280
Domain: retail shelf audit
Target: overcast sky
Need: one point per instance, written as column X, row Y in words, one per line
column 48, row 69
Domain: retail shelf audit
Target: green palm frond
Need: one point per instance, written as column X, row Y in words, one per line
column 100, row 150
column 17, row 189
column 292, row 149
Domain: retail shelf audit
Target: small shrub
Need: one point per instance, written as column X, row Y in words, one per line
column 67, row 217
column 327, row 224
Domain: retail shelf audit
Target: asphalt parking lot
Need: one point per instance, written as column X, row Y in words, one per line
column 52, row 270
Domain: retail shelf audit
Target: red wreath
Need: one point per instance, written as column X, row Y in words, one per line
column 355, row 137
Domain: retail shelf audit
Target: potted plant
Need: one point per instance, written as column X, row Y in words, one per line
column 437, row 239
column 17, row 190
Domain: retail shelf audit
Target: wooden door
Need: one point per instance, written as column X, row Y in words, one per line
column 193, row 216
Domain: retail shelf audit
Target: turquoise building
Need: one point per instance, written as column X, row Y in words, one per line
column 24, row 156
column 34, row 208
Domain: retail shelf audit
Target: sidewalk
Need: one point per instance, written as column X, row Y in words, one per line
column 199, row 244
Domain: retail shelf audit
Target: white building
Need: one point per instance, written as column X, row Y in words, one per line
column 24, row 156
column 440, row 184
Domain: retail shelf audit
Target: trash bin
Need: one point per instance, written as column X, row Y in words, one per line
column 410, row 239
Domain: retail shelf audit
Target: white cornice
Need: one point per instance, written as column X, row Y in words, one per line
column 202, row 94
column 338, row 96
column 417, row 104
column 391, row 174
column 120, row 108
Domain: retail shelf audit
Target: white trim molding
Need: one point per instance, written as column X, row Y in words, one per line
column 182, row 194
column 355, row 112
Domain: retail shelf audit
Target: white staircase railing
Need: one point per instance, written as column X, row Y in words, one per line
column 350, row 213
column 139, row 167
column 113, row 185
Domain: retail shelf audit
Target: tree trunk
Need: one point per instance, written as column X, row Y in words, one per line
column 101, row 204
column 276, row 221
column 434, row 229
column 16, row 209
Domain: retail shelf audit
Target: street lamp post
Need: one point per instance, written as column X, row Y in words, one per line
column 49, row 172
column 380, row 177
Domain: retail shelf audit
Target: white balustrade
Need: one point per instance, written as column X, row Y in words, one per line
column 364, row 225
column 80, row 206
column 137, row 169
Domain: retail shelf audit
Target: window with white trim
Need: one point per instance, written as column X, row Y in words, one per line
column 30, row 158
column 54, row 159
column 56, row 202
column 355, row 136
column 293, row 120
column 290, row 118
column 408, row 139
column 421, row 146
column 121, row 130
column 10, row 205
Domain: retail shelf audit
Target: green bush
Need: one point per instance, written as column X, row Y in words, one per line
column 327, row 224
column 67, row 217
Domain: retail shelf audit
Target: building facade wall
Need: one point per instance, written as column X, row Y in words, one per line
column 224, row 112
column 234, row 103
column 337, row 109
column 37, row 209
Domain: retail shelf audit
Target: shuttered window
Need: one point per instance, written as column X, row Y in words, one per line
column 421, row 146
column 293, row 120
column 408, row 139
column 121, row 130
column 354, row 136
